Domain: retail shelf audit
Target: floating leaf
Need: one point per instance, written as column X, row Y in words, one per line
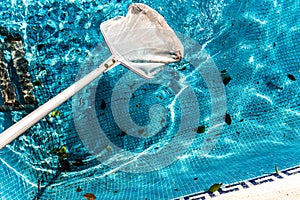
column 61, row 152
column 39, row 185
column 215, row 187
column 276, row 170
column 227, row 119
column 37, row 83
column 78, row 189
column 200, row 129
column 291, row 77
column 89, row 196
column 225, row 77
column 108, row 148
column 55, row 113
column 226, row 80
column 63, row 149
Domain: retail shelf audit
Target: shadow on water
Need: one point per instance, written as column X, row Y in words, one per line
column 65, row 167
column 43, row 189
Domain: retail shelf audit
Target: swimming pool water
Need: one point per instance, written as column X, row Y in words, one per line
column 257, row 43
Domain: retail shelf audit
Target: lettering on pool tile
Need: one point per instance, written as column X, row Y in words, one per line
column 292, row 171
column 242, row 185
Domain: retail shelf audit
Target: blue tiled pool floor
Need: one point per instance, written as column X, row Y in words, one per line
column 252, row 46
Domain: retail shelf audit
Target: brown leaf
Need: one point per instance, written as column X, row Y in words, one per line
column 89, row 196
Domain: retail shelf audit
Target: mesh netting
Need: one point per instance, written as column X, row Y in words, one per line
column 253, row 45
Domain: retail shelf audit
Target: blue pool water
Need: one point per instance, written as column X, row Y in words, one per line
column 256, row 42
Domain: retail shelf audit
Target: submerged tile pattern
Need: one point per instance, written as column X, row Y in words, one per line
column 242, row 185
column 14, row 74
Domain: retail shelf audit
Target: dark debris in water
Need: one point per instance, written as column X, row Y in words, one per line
column 182, row 69
column 291, row 77
column 200, row 129
column 37, row 83
column 40, row 47
column 103, row 104
column 65, row 165
column 227, row 119
column 122, row 134
column 225, row 77
column 78, row 189
column 39, row 185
